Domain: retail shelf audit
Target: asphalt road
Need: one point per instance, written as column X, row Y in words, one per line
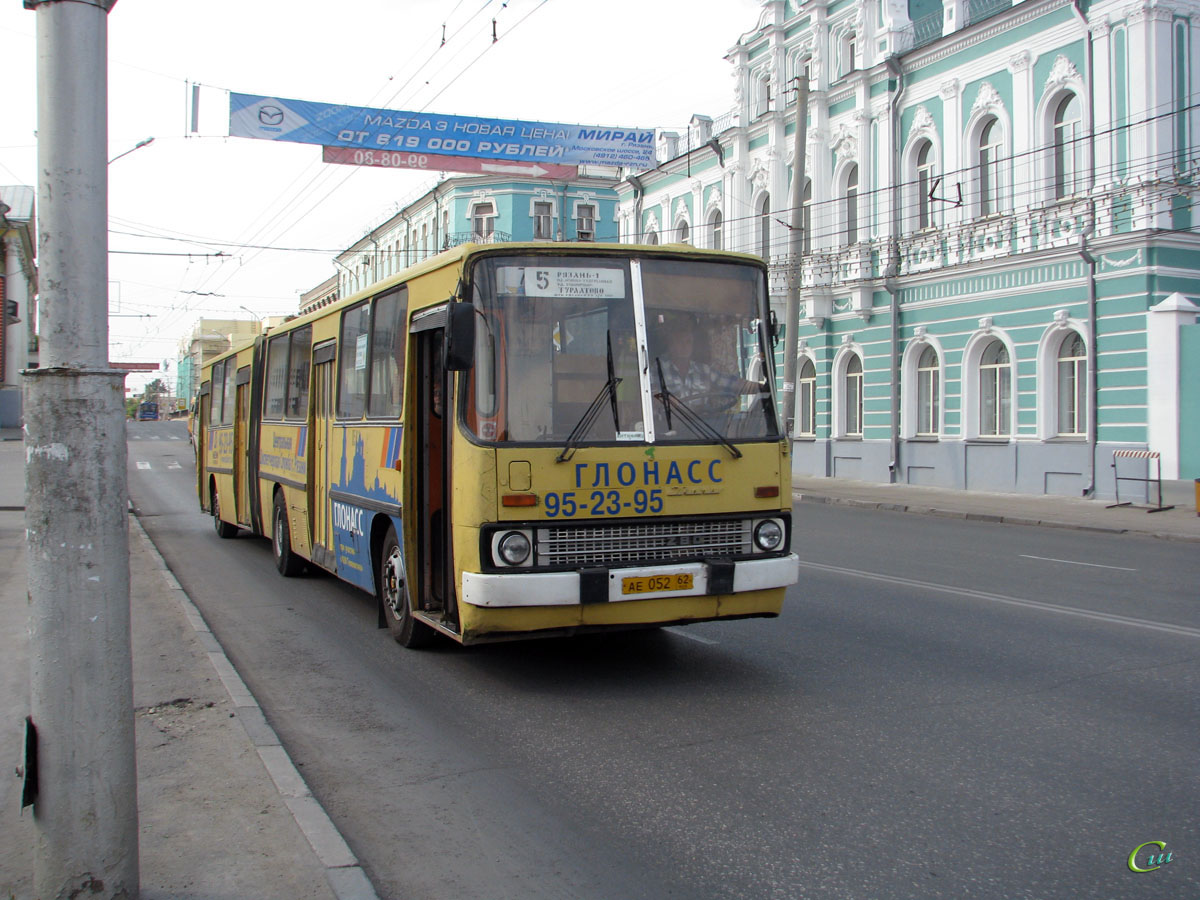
column 945, row 709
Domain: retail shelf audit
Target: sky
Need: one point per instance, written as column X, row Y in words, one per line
column 273, row 210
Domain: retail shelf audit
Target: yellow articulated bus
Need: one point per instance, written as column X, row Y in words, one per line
column 518, row 440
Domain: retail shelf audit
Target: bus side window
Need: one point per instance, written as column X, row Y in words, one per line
column 387, row 354
column 218, row 392
column 277, row 360
column 299, row 366
column 352, row 363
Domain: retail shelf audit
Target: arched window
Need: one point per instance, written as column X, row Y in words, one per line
column 928, row 394
column 995, row 391
column 991, row 144
column 651, row 238
column 851, row 206
column 764, row 228
column 483, row 222
column 1068, row 147
column 716, row 223
column 924, row 184
column 1072, row 386
column 685, row 233
column 852, row 397
column 806, row 399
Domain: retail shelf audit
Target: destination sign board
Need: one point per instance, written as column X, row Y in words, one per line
column 329, row 125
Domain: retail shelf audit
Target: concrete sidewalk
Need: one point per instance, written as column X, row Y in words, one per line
column 1180, row 523
column 222, row 811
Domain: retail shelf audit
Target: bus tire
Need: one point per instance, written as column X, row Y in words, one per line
column 392, row 590
column 287, row 562
column 223, row 528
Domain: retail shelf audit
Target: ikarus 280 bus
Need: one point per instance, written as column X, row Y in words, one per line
column 517, row 440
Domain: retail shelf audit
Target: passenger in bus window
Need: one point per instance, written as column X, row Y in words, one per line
column 684, row 372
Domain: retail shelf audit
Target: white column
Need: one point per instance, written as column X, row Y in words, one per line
column 1162, row 376
column 1022, row 189
column 952, row 159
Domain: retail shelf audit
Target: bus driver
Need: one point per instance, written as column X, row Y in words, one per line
column 687, row 377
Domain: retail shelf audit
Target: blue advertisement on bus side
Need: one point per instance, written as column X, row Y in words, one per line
column 330, row 125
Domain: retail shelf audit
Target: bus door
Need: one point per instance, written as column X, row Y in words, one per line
column 434, row 414
column 200, row 430
column 320, row 440
column 241, row 429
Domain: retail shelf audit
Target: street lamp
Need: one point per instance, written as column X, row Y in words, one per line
column 138, row 146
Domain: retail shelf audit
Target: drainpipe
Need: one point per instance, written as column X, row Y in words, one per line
column 893, row 265
column 787, row 396
column 1092, row 355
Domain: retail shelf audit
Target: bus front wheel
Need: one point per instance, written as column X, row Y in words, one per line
column 287, row 562
column 223, row 528
column 394, row 598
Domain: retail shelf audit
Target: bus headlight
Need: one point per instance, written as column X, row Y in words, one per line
column 768, row 535
column 514, row 547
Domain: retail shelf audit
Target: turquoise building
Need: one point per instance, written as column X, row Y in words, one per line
column 479, row 209
column 998, row 272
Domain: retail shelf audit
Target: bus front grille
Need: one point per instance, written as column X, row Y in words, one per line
column 613, row 545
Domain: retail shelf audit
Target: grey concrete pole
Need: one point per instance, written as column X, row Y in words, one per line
column 81, row 684
column 791, row 342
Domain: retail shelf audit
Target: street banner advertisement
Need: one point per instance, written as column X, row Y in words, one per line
column 329, row 125
column 401, row 159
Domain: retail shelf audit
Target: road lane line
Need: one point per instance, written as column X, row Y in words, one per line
column 1111, row 618
column 1071, row 562
column 682, row 632
column 142, row 464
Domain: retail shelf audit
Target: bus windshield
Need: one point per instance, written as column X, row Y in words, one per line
column 573, row 348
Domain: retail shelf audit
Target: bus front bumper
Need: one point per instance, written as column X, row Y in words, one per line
column 525, row 589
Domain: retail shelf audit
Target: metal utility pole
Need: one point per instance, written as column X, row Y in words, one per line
column 791, row 342
column 77, row 550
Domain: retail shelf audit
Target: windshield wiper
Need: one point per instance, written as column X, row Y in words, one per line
column 589, row 415
column 689, row 416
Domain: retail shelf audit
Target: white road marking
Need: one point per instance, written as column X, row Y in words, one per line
column 142, row 464
column 683, row 632
column 1071, row 562
column 174, row 465
column 1110, row 618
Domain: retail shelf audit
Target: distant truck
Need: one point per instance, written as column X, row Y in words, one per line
column 147, row 411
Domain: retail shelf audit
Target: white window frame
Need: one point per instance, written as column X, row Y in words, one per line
column 806, row 397
column 1049, row 397
column 841, row 390
column 716, row 229
column 588, row 233
column 972, row 384
column 848, row 205
column 762, row 214
column 990, row 191
column 548, row 216
column 486, row 219
column 910, row 388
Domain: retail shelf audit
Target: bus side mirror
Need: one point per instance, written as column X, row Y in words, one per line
column 460, row 337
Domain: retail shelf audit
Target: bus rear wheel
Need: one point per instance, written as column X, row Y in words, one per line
column 393, row 594
column 287, row 562
column 223, row 528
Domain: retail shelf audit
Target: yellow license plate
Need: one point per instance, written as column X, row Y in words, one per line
column 652, row 584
